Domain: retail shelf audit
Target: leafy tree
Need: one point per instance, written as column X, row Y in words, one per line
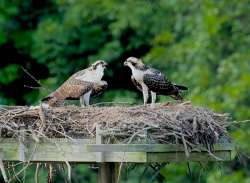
column 203, row 44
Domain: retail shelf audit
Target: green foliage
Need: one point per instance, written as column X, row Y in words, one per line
column 202, row 44
column 9, row 73
column 234, row 177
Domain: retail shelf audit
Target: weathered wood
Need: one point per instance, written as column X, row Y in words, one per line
column 194, row 156
column 104, row 173
column 22, row 145
column 81, row 150
column 108, row 173
column 152, row 147
column 99, row 140
column 86, row 145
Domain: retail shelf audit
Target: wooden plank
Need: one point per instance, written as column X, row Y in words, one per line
column 79, row 151
column 194, row 156
column 65, row 151
column 86, row 145
column 152, row 147
column 10, row 151
column 133, row 157
column 45, row 151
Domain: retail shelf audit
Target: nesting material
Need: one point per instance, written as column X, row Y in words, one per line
column 165, row 123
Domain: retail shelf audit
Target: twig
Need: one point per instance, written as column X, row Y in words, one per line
column 42, row 117
column 25, row 167
column 14, row 172
column 184, row 124
column 69, row 170
column 3, row 171
column 50, row 173
column 31, row 76
column 37, row 173
column 33, row 87
column 34, row 79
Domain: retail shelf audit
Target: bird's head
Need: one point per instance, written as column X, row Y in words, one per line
column 99, row 64
column 134, row 62
column 97, row 69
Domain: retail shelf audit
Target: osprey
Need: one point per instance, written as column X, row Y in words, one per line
column 83, row 85
column 148, row 79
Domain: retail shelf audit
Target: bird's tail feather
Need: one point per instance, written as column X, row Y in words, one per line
column 181, row 87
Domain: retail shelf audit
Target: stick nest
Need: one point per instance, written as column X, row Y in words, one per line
column 165, row 123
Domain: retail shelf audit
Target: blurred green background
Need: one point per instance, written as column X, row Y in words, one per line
column 204, row 44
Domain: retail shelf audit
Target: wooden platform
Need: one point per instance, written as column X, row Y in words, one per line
column 27, row 147
column 86, row 151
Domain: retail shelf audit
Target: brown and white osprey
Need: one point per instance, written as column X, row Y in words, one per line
column 81, row 85
column 148, row 79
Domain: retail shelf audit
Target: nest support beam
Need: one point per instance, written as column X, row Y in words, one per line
column 62, row 143
column 109, row 157
column 108, row 173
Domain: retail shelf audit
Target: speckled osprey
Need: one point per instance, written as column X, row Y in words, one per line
column 148, row 79
column 81, row 85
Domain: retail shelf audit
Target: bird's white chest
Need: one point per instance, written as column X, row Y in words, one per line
column 138, row 75
column 92, row 76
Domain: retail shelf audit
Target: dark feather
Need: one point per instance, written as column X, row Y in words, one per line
column 181, row 87
column 157, row 83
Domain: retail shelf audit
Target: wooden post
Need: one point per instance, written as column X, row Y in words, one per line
column 99, row 140
column 108, row 172
column 22, row 149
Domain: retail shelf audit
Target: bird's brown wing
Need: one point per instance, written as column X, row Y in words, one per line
column 137, row 84
column 73, row 89
column 99, row 88
column 70, row 89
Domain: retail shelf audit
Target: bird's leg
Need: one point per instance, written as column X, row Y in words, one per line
column 153, row 98
column 145, row 94
column 82, row 101
column 86, row 97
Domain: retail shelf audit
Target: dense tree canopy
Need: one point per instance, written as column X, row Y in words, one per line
column 202, row 44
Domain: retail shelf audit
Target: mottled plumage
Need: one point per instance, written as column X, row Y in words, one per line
column 80, row 85
column 148, row 79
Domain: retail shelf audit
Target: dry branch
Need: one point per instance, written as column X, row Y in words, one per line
column 182, row 123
